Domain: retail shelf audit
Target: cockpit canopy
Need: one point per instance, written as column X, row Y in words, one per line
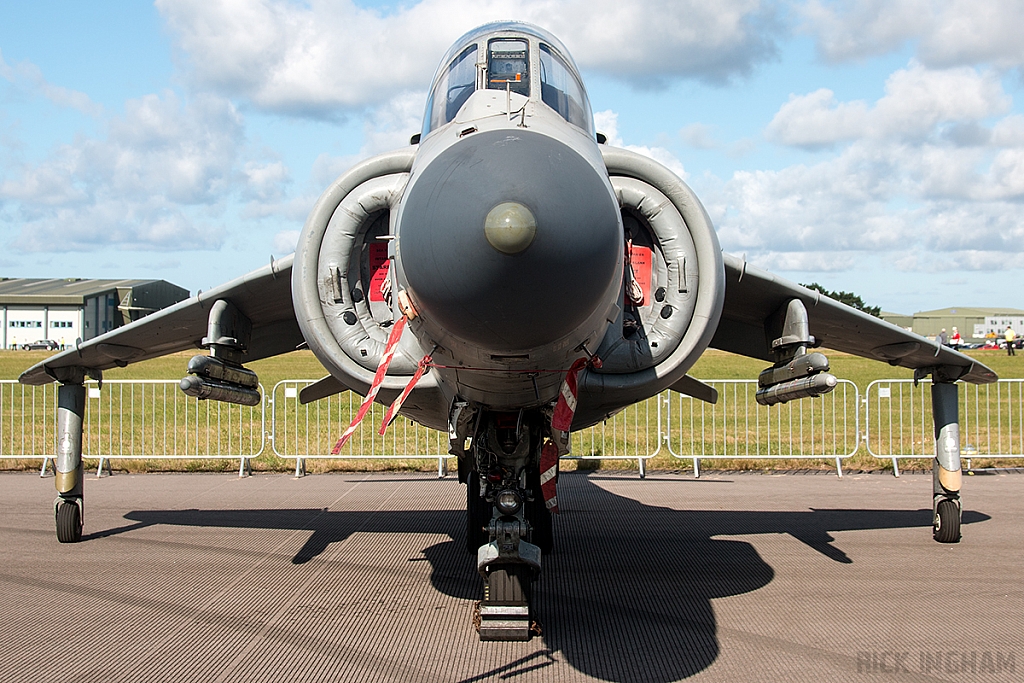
column 515, row 56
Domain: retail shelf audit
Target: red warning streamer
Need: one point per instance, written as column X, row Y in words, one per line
column 565, row 408
column 549, row 475
column 397, row 405
column 378, row 379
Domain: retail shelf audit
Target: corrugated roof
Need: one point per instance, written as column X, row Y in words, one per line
column 58, row 291
column 968, row 312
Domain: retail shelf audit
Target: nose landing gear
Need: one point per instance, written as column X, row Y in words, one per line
column 507, row 523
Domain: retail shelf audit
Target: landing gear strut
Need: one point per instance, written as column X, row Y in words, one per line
column 68, row 507
column 507, row 523
column 946, row 471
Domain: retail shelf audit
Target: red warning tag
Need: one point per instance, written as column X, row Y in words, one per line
column 640, row 259
column 379, row 265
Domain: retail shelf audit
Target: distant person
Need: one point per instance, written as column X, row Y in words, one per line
column 1009, row 336
column 943, row 339
column 955, row 341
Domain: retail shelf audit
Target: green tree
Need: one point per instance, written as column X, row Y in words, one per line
column 848, row 298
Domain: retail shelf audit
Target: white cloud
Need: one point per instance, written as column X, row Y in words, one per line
column 28, row 76
column 316, row 59
column 265, row 180
column 699, row 136
column 817, row 119
column 156, row 180
column 926, row 203
column 804, row 261
column 929, row 172
column 607, row 122
column 974, row 32
column 916, row 100
column 285, row 241
column 945, row 32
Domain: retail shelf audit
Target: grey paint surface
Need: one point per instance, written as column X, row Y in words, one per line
column 752, row 295
column 509, row 303
column 356, row 577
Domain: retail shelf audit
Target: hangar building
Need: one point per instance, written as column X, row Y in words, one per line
column 973, row 323
column 66, row 309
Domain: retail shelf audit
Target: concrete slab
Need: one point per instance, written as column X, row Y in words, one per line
column 364, row 577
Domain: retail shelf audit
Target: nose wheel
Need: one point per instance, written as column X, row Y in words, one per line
column 504, row 613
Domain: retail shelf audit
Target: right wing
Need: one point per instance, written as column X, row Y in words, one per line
column 264, row 296
column 753, row 296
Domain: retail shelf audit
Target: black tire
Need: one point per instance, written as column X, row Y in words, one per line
column 478, row 515
column 509, row 585
column 69, row 523
column 946, row 527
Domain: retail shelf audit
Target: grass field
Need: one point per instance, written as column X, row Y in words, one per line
column 736, row 431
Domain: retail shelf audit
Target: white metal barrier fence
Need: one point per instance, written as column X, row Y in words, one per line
column 310, row 431
column 737, row 427
column 131, row 419
column 152, row 419
column 28, row 421
column 898, row 420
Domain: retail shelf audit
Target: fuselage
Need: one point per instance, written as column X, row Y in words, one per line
column 508, row 238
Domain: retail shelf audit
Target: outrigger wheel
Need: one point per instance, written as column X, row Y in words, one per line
column 946, row 525
column 69, row 522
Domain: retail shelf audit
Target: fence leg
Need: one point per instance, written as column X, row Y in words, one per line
column 839, row 468
column 895, row 468
column 42, row 471
column 244, row 468
column 99, row 468
column 643, row 467
column 947, row 476
column 300, row 467
column 68, row 507
column 442, row 467
column 696, row 468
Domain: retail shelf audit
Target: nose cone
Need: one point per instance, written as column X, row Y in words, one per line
column 509, row 240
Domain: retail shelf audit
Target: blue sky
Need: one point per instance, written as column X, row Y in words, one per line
column 870, row 146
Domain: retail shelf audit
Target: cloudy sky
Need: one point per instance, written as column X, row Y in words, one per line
column 873, row 146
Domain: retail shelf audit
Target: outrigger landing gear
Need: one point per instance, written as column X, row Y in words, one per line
column 68, row 507
column 946, row 471
column 503, row 514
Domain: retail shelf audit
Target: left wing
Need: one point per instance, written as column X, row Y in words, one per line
column 264, row 296
column 753, row 298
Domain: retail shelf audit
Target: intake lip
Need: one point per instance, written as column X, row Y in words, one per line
column 507, row 302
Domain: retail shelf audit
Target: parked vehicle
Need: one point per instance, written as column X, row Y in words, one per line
column 42, row 345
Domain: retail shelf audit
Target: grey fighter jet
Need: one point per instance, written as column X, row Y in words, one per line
column 547, row 281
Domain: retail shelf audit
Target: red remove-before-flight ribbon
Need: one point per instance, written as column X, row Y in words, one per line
column 397, row 405
column 378, row 379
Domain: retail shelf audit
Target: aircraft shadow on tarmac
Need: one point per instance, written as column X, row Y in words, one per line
column 626, row 594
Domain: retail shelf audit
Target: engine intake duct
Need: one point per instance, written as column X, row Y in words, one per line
column 213, row 379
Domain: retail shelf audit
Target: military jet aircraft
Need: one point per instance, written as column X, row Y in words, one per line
column 547, row 281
